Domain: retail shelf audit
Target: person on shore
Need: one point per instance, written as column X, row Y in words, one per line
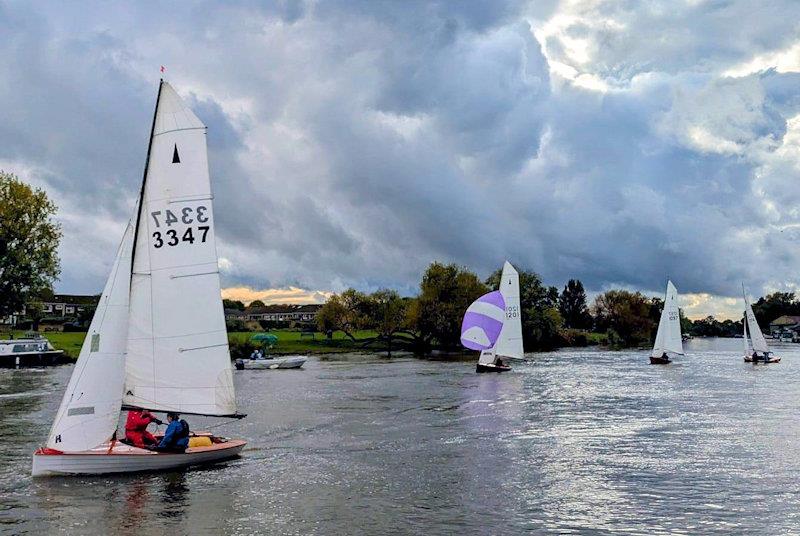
column 176, row 438
column 136, row 428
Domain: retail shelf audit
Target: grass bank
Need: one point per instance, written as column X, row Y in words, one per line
column 289, row 342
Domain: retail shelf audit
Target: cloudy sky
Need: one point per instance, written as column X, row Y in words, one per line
column 351, row 143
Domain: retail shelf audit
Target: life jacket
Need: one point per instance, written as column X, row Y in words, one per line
column 184, row 430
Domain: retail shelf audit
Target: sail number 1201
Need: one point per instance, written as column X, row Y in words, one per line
column 172, row 237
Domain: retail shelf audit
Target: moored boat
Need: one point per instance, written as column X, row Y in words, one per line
column 157, row 340
column 271, row 363
column 669, row 342
column 492, row 324
column 33, row 351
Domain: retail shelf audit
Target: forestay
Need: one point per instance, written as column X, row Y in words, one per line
column 759, row 343
column 668, row 337
column 90, row 408
column 509, row 343
column 178, row 358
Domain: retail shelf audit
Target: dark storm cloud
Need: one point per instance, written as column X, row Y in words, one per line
column 351, row 143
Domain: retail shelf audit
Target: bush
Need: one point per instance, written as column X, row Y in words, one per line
column 242, row 349
column 233, row 324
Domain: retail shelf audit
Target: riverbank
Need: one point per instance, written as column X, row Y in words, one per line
column 289, row 342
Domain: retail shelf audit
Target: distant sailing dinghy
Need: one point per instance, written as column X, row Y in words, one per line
column 157, row 340
column 493, row 325
column 668, row 338
column 759, row 343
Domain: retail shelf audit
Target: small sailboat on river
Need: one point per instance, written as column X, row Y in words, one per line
column 158, row 339
column 761, row 352
column 669, row 341
column 493, row 325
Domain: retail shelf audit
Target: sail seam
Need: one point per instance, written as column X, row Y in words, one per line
column 201, row 347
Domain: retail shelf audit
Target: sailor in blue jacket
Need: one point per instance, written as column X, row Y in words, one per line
column 176, row 438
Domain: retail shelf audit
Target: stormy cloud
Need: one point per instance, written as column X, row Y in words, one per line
column 352, row 143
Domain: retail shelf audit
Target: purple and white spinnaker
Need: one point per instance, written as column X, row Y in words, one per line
column 483, row 321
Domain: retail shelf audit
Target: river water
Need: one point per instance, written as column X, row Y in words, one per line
column 581, row 441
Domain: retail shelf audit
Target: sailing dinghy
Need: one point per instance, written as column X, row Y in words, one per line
column 669, row 341
column 493, row 325
column 157, row 340
column 757, row 338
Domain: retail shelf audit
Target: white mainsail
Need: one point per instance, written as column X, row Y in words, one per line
column 509, row 343
column 178, row 358
column 668, row 337
column 90, row 408
column 759, row 343
column 744, row 334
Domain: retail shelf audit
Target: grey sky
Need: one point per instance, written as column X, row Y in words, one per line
column 352, row 143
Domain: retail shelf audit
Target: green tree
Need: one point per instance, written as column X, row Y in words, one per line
column 541, row 319
column 446, row 291
column 257, row 303
column 627, row 317
column 28, row 243
column 770, row 307
column 387, row 313
column 233, row 304
column 572, row 306
column 345, row 312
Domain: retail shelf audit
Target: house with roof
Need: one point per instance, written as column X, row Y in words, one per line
column 284, row 313
column 785, row 326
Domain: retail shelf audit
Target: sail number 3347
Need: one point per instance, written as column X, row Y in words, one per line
column 173, row 237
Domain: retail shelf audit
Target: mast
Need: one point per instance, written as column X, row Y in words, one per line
column 144, row 175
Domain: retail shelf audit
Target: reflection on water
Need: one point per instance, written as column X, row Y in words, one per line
column 571, row 441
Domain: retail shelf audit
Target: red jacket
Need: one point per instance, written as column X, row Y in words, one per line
column 138, row 421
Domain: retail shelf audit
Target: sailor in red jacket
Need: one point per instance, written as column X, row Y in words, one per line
column 136, row 428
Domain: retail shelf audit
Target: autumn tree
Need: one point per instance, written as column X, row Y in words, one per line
column 446, row 291
column 625, row 316
column 29, row 240
column 346, row 312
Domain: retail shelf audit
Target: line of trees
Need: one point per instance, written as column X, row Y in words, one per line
column 433, row 318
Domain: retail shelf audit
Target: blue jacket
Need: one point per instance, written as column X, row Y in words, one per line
column 171, row 439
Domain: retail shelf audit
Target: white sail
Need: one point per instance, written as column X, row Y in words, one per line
column 744, row 335
column 509, row 343
column 668, row 337
column 90, row 408
column 178, row 358
column 487, row 357
column 759, row 343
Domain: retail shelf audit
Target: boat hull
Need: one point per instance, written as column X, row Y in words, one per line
column 749, row 359
column 122, row 458
column 289, row 362
column 489, row 367
column 659, row 360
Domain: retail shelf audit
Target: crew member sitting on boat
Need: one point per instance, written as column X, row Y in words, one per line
column 136, row 433
column 256, row 355
column 176, row 438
